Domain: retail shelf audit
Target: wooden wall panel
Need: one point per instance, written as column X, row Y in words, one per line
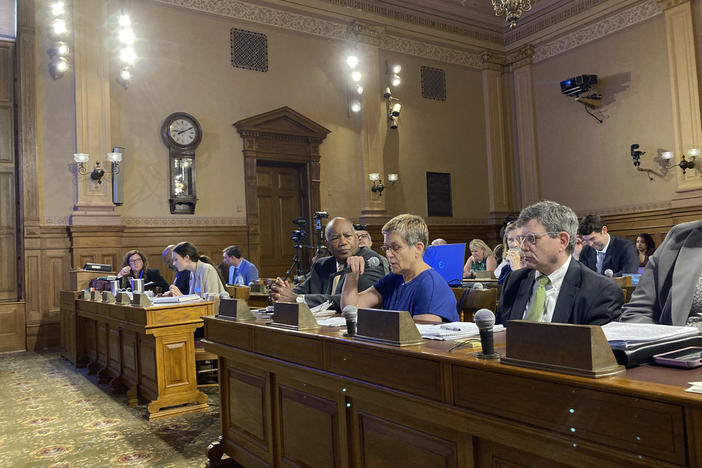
column 12, row 327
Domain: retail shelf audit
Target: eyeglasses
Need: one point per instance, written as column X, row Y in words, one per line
column 391, row 248
column 364, row 236
column 531, row 238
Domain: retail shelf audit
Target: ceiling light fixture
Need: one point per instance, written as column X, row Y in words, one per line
column 512, row 9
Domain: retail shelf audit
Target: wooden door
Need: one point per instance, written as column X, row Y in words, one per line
column 280, row 200
column 12, row 323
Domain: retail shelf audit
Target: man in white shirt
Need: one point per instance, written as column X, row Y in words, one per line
column 554, row 287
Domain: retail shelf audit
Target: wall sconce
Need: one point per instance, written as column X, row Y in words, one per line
column 81, row 159
column 378, row 183
column 354, row 84
column 664, row 161
column 115, row 159
column 127, row 55
column 58, row 52
column 684, row 164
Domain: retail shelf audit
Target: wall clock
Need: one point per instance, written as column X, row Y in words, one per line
column 182, row 133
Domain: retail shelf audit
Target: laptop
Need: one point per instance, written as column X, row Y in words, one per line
column 447, row 260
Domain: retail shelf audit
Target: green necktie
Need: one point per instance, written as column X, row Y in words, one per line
column 536, row 309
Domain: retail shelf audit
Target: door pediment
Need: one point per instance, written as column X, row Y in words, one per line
column 282, row 121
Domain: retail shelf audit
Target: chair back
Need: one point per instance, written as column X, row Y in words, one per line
column 622, row 281
column 479, row 299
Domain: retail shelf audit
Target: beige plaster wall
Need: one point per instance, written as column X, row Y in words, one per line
column 587, row 165
column 438, row 136
column 185, row 66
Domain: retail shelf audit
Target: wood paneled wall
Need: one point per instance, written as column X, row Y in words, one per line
column 57, row 249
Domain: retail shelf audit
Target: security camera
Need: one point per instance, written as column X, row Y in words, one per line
column 387, row 94
column 393, row 122
column 396, row 109
column 636, row 155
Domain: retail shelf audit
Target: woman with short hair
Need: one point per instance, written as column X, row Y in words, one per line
column 135, row 265
column 412, row 285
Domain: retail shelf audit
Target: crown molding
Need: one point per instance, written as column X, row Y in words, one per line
column 604, row 27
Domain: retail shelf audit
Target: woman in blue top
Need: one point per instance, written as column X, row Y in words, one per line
column 412, row 285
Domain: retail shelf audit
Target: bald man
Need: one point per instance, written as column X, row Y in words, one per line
column 321, row 285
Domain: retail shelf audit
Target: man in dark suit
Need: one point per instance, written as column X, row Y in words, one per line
column 670, row 289
column 602, row 251
column 554, row 287
column 327, row 276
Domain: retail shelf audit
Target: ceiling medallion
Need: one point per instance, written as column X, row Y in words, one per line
column 512, row 9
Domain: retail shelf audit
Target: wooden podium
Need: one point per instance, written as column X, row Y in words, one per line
column 149, row 352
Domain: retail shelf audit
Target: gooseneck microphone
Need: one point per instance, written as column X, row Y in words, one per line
column 350, row 314
column 370, row 263
column 485, row 319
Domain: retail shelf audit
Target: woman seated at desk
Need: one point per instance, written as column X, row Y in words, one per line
column 481, row 258
column 204, row 278
column 411, row 285
column 135, row 265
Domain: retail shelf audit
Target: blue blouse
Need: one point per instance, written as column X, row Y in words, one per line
column 427, row 293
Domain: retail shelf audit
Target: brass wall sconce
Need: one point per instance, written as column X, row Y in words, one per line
column 98, row 172
column 664, row 161
column 378, row 185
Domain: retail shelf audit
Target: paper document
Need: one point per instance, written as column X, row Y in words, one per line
column 176, row 299
column 625, row 335
column 452, row 331
column 322, row 310
column 332, row 322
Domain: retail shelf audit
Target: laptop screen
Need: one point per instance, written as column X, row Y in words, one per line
column 447, row 260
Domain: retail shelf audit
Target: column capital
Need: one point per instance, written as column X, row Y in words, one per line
column 522, row 57
column 493, row 60
column 667, row 4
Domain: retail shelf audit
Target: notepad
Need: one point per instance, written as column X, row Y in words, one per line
column 452, row 331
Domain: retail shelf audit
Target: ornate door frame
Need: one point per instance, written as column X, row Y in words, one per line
column 279, row 136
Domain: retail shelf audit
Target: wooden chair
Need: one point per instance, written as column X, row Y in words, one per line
column 622, row 281
column 206, row 363
column 628, row 291
column 475, row 300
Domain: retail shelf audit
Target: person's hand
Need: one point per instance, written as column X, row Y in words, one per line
column 357, row 264
column 514, row 258
column 280, row 291
column 174, row 291
column 124, row 271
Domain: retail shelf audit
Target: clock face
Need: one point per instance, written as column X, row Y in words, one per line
column 183, row 131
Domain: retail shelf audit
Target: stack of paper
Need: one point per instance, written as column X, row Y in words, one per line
column 176, row 299
column 452, row 331
column 332, row 321
column 625, row 335
column 322, row 310
column 696, row 387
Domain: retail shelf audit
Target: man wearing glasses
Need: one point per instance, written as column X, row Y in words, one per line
column 327, row 276
column 365, row 240
column 554, row 287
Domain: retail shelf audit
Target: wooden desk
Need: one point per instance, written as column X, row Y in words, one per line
column 317, row 399
column 149, row 352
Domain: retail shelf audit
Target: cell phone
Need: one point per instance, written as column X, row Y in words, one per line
column 686, row 357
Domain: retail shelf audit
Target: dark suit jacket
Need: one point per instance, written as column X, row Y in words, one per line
column 621, row 257
column 182, row 281
column 150, row 275
column 665, row 290
column 317, row 286
column 585, row 297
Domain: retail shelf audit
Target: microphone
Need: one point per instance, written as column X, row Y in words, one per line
column 478, row 286
column 485, row 319
column 609, row 273
column 350, row 314
column 370, row 263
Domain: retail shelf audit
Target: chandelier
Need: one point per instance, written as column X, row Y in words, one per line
column 512, row 9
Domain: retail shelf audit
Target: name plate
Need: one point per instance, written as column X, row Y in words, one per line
column 580, row 350
column 108, row 297
column 235, row 309
column 293, row 315
column 140, row 300
column 123, row 298
column 259, row 288
column 389, row 327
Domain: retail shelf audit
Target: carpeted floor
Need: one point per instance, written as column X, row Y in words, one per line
column 54, row 415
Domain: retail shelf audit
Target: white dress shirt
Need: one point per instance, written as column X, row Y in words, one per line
column 601, row 255
column 552, row 290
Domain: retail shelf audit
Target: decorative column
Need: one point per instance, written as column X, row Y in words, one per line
column 682, row 62
column 373, row 121
column 525, row 123
column 497, row 144
column 92, row 90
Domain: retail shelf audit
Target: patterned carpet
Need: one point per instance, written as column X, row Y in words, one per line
column 54, row 415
